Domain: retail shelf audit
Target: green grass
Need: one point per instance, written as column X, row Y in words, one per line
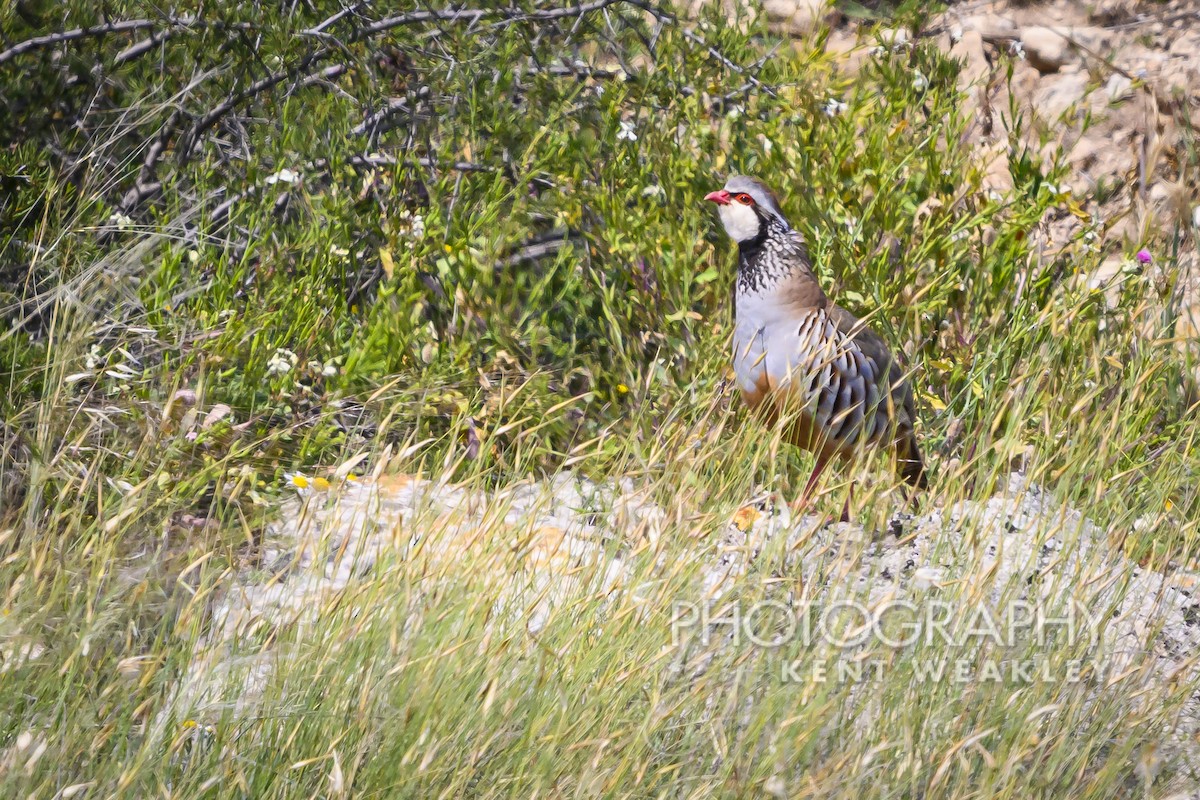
column 476, row 353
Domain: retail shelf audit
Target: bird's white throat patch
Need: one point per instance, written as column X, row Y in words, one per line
column 740, row 221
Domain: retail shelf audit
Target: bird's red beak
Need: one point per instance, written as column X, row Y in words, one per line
column 720, row 197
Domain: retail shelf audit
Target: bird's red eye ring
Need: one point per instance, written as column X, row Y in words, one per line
column 744, row 198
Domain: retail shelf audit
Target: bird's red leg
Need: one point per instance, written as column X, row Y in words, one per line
column 806, row 495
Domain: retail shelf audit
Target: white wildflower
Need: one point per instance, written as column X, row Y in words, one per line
column 297, row 480
column 627, row 132
column 919, row 81
column 327, row 369
column 284, row 176
column 414, row 224
column 338, row 252
column 93, row 357
column 281, row 362
column 653, row 190
column 122, row 221
column 956, row 34
column 1017, row 49
column 834, row 107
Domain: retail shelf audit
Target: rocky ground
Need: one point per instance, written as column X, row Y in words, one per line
column 1109, row 89
column 567, row 531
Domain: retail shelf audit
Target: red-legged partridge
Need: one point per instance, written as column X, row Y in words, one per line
column 798, row 355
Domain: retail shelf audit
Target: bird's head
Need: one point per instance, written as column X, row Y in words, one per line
column 747, row 209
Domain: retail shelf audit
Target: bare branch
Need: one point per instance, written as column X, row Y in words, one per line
column 237, row 98
column 538, row 247
column 320, row 29
column 476, row 14
column 121, row 26
column 139, row 49
column 700, row 41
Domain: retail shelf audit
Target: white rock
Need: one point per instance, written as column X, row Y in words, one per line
column 796, row 17
column 1085, row 151
column 1046, row 49
column 1119, row 87
column 969, row 51
column 1109, row 11
column 991, row 27
column 1055, row 95
column 984, row 553
column 1186, row 46
column 1090, row 37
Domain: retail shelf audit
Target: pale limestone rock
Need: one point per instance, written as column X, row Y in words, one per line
column 1046, row 49
column 997, row 176
column 1107, row 12
column 1118, row 88
column 796, row 17
column 1058, row 94
column 969, row 50
column 992, row 27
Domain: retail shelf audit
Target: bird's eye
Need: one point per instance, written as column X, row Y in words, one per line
column 744, row 198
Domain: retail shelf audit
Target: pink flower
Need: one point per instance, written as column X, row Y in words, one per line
column 1143, row 256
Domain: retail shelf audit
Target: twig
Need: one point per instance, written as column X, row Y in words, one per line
column 538, row 247
column 326, row 77
column 51, row 39
column 700, row 41
column 181, row 25
column 507, row 16
column 581, row 70
column 144, row 46
column 372, row 123
column 476, row 14
column 237, row 98
column 333, row 20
